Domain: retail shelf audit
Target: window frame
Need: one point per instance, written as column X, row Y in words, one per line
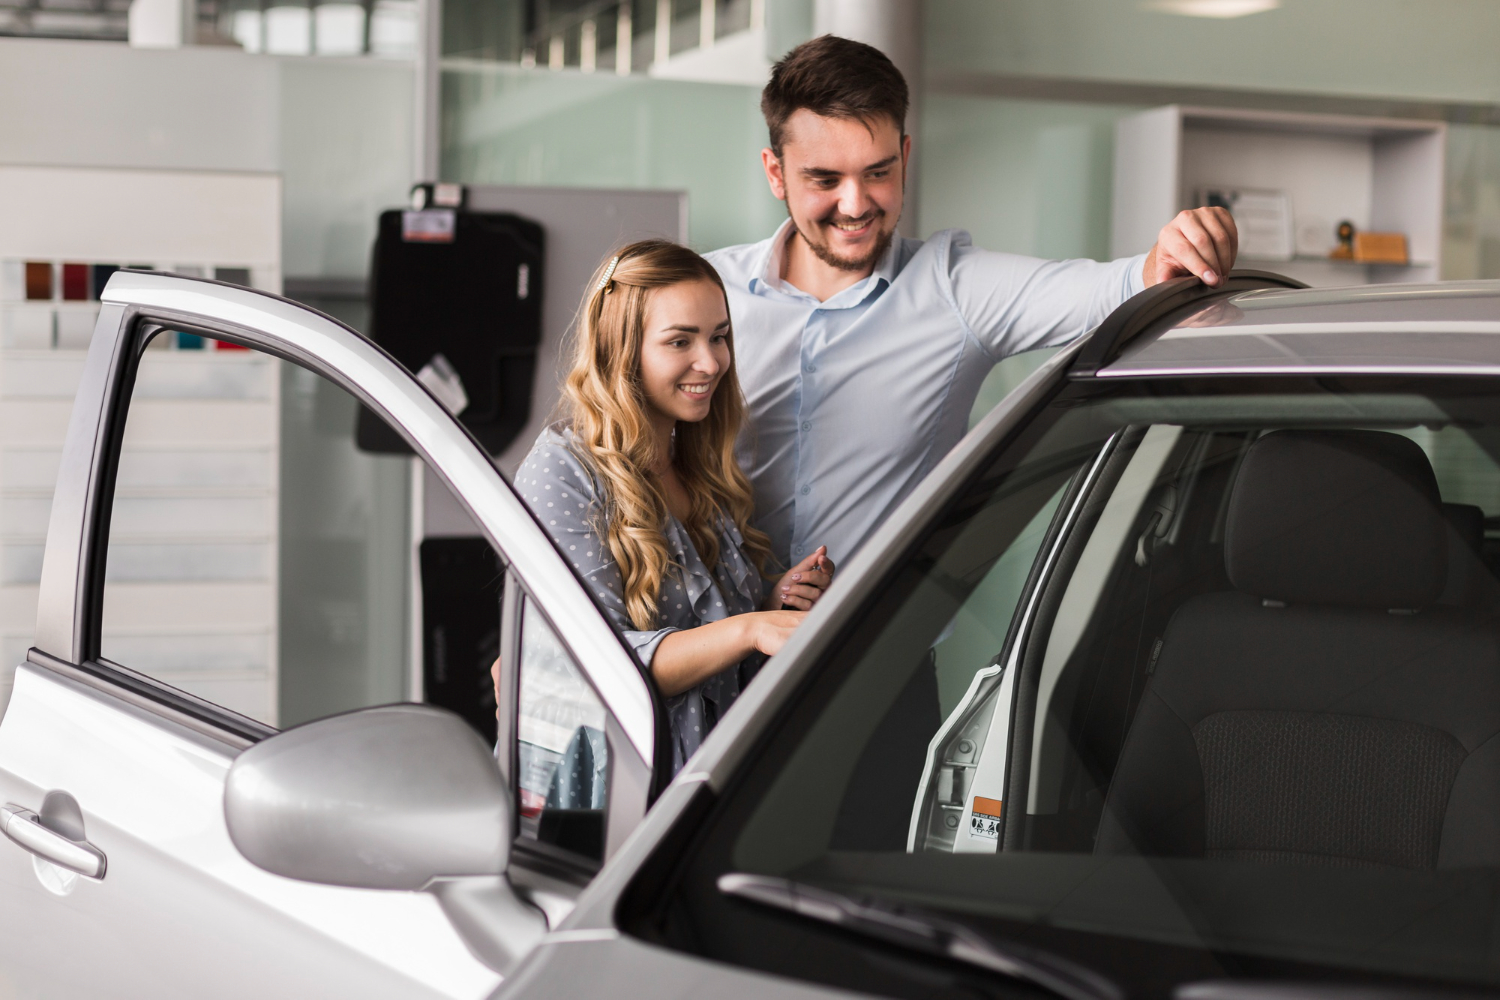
column 618, row 813
column 675, row 884
column 139, row 305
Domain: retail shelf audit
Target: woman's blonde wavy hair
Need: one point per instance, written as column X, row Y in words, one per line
column 605, row 404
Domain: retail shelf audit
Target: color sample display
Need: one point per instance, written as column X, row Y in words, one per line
column 75, row 282
column 38, row 280
column 101, row 277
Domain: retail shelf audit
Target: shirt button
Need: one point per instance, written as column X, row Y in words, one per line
column 806, row 490
column 810, row 369
column 807, row 425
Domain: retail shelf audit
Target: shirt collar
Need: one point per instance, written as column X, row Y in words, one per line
column 767, row 272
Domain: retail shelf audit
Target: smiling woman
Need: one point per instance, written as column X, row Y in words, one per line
column 639, row 486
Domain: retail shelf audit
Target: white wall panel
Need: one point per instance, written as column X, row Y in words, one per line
column 156, row 422
column 91, row 104
column 34, row 423
column 147, row 608
column 147, row 216
column 199, row 653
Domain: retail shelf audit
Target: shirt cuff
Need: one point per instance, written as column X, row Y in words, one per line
column 645, row 643
column 1135, row 276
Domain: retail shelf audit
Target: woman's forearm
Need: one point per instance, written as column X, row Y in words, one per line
column 688, row 658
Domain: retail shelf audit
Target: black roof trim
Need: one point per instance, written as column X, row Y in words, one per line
column 1159, row 303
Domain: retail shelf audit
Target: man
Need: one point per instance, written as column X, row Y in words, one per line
column 860, row 354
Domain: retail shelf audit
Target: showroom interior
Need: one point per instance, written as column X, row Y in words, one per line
column 259, row 142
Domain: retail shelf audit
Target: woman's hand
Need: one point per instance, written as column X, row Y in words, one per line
column 771, row 629
column 495, row 676
column 800, row 587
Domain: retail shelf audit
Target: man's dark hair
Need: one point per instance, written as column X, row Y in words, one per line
column 835, row 78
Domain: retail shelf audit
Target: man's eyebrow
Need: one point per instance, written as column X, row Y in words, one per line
column 825, row 172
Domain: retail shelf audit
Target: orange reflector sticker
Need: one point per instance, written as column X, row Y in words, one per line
column 987, row 807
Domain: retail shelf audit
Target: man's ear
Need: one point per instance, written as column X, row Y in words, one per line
column 774, row 174
column 905, row 157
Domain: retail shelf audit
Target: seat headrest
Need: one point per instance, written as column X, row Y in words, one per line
column 1348, row 518
column 1467, row 521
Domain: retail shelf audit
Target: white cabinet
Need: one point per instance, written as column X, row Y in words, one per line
column 1383, row 175
column 191, row 595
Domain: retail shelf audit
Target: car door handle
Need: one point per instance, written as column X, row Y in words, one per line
column 25, row 828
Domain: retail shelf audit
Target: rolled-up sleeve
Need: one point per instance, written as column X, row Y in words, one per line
column 646, row 643
column 1013, row 303
column 562, row 493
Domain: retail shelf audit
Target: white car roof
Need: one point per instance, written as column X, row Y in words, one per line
column 1444, row 328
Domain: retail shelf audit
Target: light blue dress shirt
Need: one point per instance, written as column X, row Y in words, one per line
column 852, row 401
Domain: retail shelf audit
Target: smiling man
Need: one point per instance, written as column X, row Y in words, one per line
column 861, row 354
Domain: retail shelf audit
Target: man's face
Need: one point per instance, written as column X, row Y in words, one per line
column 841, row 179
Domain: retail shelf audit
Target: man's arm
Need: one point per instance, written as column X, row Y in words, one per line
column 1014, row 304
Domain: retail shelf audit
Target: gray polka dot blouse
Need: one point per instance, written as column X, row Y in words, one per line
column 558, row 483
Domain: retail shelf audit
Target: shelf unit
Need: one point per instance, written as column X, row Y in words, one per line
column 191, row 592
column 1382, row 174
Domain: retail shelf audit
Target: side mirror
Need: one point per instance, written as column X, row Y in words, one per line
column 399, row 797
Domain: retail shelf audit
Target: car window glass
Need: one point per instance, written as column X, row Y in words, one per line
column 1245, row 709
column 261, row 559
column 977, row 634
column 1464, row 461
column 562, row 757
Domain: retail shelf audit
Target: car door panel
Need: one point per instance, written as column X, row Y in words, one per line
column 151, row 795
column 179, row 911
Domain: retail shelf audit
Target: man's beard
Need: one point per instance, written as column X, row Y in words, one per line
column 824, row 253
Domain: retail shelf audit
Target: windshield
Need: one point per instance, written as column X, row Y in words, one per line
column 1201, row 675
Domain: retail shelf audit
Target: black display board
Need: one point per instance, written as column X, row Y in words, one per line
column 462, row 586
column 467, row 285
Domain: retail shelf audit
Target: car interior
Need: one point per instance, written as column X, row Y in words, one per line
column 1294, row 660
column 1238, row 658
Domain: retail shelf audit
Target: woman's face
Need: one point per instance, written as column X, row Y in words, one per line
column 685, row 349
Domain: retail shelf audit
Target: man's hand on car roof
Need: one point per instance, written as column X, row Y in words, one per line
column 1202, row 242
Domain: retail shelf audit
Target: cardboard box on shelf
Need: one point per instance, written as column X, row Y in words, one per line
column 1380, row 248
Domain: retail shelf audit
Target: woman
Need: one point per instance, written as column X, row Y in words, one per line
column 640, row 488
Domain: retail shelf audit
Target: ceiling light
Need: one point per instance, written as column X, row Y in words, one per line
column 1212, row 8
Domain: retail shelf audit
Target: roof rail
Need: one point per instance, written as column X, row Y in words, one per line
column 1142, row 312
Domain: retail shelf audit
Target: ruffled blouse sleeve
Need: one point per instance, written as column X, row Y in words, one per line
column 564, row 495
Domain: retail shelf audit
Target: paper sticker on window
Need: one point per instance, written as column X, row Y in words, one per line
column 985, row 819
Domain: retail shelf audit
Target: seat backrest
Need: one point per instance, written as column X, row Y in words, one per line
column 1328, row 710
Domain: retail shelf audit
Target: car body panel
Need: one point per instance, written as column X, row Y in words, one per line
column 179, row 911
column 1451, row 328
column 1443, row 329
column 176, row 888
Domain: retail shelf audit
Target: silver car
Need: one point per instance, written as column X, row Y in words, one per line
column 1179, row 676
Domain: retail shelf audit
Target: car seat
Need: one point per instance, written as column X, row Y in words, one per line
column 1470, row 582
column 1327, row 710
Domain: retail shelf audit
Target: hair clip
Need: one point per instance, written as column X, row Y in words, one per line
column 609, row 272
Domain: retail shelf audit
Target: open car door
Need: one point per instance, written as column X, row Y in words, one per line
column 120, row 876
